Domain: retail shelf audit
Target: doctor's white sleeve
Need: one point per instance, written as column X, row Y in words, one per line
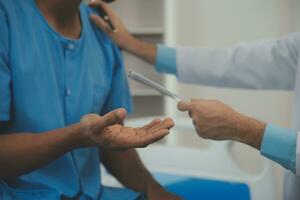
column 268, row 64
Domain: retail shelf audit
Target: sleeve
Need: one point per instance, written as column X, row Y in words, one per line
column 119, row 95
column 5, row 73
column 166, row 60
column 269, row 64
column 279, row 145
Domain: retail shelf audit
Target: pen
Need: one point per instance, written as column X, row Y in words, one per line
column 105, row 17
column 142, row 79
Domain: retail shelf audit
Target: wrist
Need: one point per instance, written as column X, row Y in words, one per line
column 130, row 44
column 144, row 50
column 76, row 136
column 251, row 131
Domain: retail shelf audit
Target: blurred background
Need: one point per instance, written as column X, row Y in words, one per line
column 210, row 23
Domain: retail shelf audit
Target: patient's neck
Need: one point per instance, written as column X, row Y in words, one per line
column 62, row 15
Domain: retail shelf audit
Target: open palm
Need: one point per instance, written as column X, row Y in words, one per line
column 120, row 137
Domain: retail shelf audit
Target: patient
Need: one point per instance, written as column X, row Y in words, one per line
column 55, row 68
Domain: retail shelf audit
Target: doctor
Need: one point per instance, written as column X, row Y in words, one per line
column 269, row 64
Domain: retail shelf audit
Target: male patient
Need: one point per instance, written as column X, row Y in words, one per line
column 55, row 68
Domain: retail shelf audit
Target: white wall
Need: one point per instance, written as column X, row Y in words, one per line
column 219, row 23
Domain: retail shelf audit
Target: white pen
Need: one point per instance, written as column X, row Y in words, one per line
column 142, row 79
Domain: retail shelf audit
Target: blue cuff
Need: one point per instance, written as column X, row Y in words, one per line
column 279, row 144
column 166, row 60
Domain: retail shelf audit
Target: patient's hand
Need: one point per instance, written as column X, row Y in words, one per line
column 117, row 137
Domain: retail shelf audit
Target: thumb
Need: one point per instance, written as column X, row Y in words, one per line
column 109, row 119
column 184, row 106
column 113, row 117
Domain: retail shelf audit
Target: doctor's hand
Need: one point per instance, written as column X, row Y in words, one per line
column 121, row 35
column 217, row 121
column 106, row 132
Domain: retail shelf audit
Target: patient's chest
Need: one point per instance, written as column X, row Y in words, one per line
column 56, row 80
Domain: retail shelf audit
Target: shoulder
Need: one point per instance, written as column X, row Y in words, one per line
column 14, row 10
column 3, row 9
column 4, row 26
column 103, row 39
column 86, row 11
column 10, row 6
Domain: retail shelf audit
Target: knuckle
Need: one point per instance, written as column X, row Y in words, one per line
column 195, row 119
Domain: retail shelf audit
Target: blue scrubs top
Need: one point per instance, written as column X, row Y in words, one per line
column 49, row 82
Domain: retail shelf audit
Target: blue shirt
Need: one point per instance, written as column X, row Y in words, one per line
column 279, row 144
column 48, row 82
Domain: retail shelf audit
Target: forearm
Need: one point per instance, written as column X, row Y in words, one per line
column 129, row 170
column 24, row 152
column 141, row 49
column 164, row 58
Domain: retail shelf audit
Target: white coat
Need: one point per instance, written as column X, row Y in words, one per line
column 270, row 64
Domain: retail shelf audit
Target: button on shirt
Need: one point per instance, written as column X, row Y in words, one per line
column 48, row 82
column 71, row 46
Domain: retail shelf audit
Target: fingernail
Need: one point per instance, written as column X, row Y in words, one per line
column 121, row 113
column 182, row 104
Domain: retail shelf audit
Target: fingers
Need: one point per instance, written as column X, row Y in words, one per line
column 99, row 22
column 151, row 138
column 156, row 132
column 153, row 123
column 100, row 4
column 112, row 118
column 168, row 123
column 165, row 124
column 90, row 118
column 95, row 3
column 184, row 106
